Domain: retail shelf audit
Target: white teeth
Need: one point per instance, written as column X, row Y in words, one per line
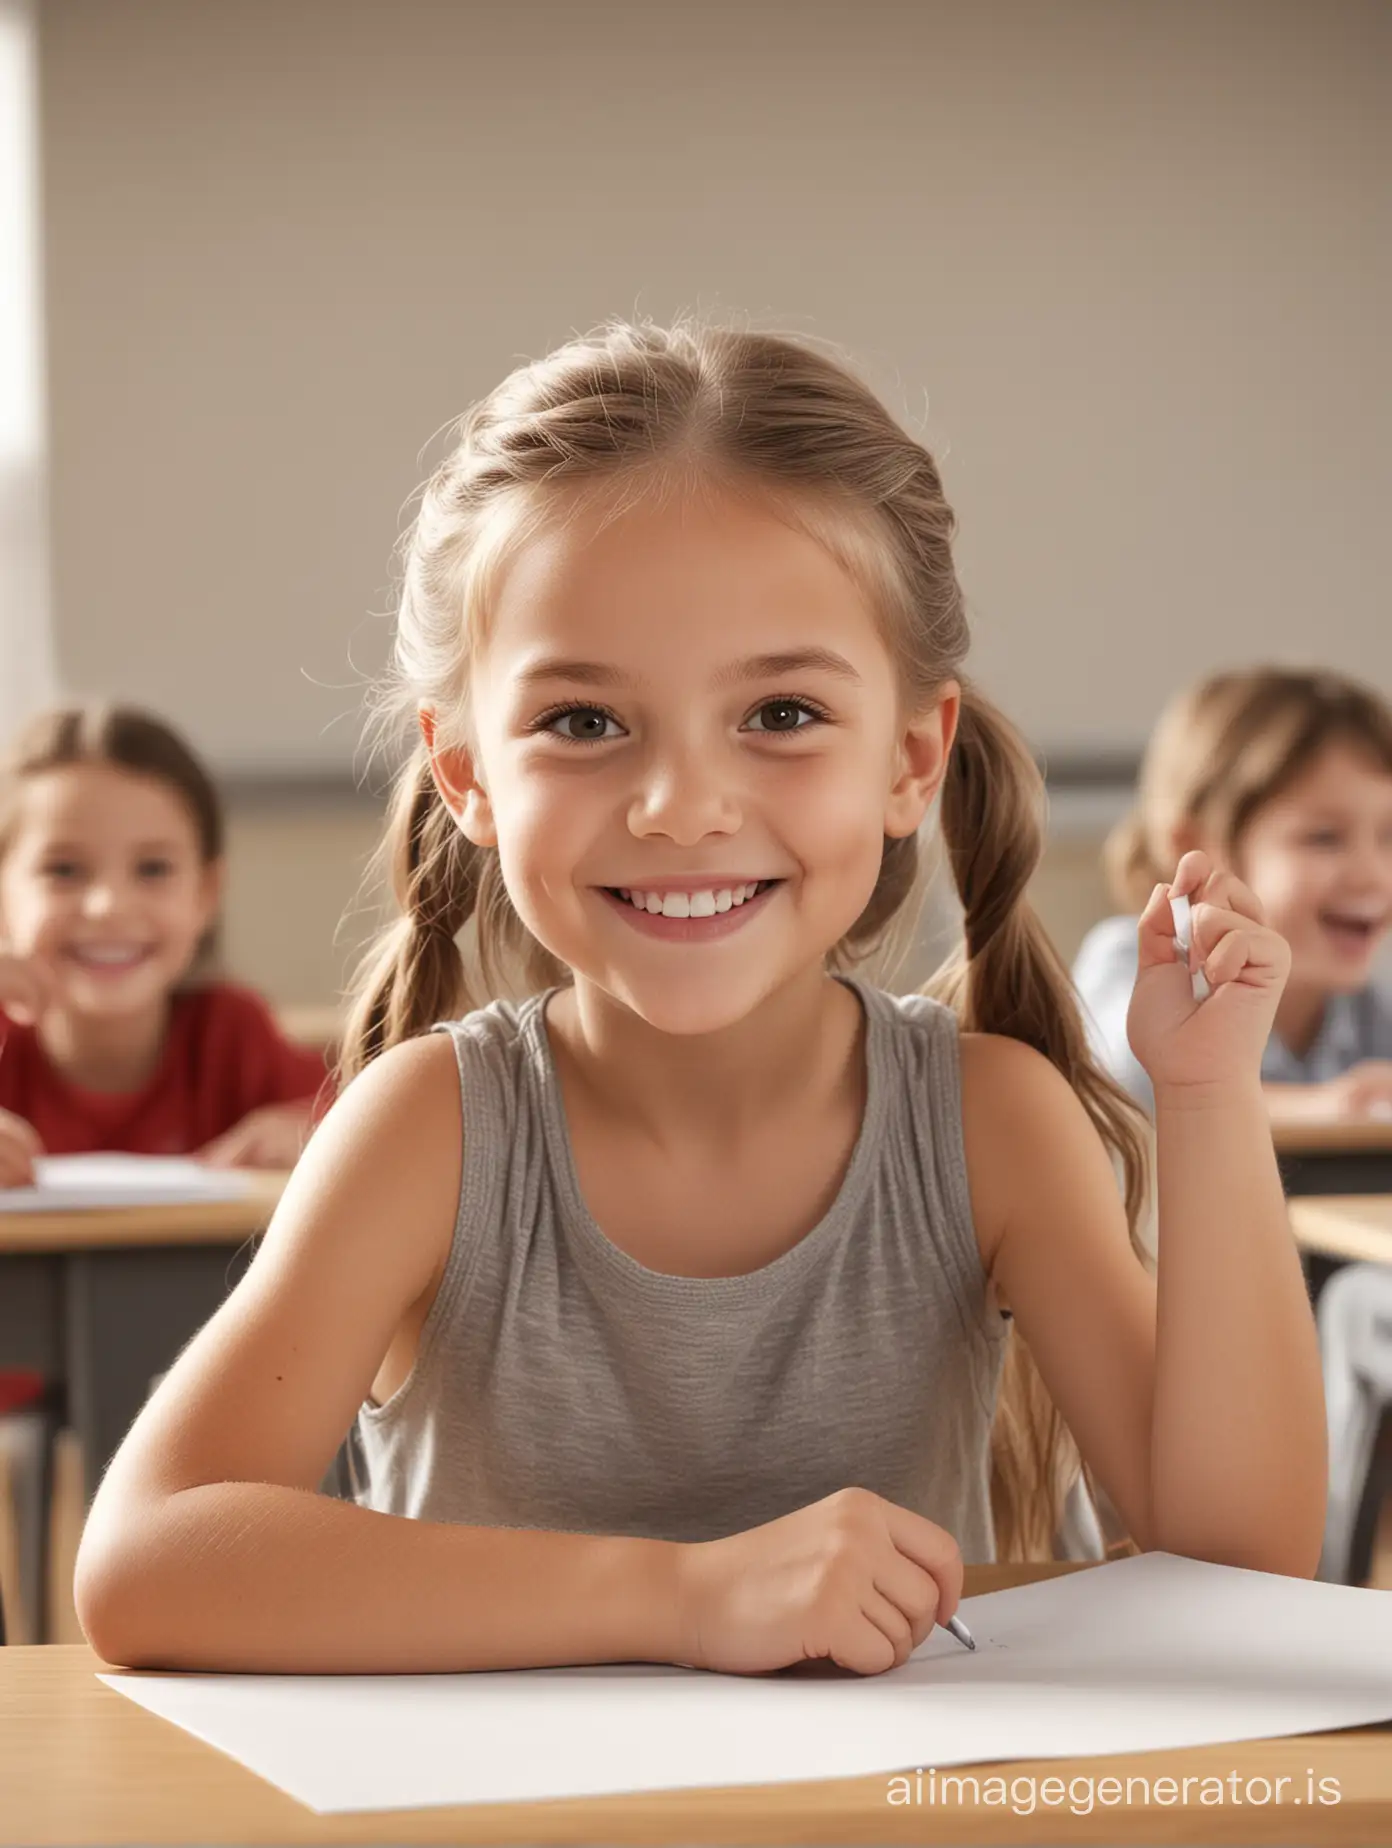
column 703, row 904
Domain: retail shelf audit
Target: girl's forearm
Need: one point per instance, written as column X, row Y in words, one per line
column 1238, row 1463
column 258, row 1578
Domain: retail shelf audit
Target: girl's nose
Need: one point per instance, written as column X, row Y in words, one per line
column 686, row 800
column 99, row 900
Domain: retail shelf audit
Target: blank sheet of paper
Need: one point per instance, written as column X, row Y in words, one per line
column 68, row 1183
column 1144, row 1654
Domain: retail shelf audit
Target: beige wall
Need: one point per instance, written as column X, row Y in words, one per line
column 1131, row 257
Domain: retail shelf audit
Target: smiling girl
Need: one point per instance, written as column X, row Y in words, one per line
column 663, row 1304
column 1286, row 777
column 113, row 1037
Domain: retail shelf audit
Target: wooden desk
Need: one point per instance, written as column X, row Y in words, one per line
column 1353, row 1228
column 101, row 1301
column 1335, row 1158
column 81, row 1765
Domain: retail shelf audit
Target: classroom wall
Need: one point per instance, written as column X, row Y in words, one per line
column 1126, row 264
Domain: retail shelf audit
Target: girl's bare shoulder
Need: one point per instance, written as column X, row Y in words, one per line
column 388, row 1155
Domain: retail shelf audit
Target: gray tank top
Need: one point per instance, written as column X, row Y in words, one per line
column 561, row 1384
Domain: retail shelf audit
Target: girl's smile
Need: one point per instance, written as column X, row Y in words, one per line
column 108, row 961
column 693, row 912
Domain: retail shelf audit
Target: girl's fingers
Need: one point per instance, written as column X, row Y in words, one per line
column 1204, row 882
column 1227, row 892
column 1242, row 947
column 891, row 1622
column 932, row 1549
column 1155, row 930
column 1193, row 869
column 912, row 1591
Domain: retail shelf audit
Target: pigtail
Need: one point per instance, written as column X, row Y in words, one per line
column 414, row 974
column 1009, row 979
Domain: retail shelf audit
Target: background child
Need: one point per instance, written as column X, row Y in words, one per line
column 1287, row 778
column 114, row 1036
column 684, row 1343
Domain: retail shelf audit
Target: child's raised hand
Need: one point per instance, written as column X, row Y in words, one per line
column 1220, row 1040
column 271, row 1137
column 26, row 987
column 852, row 1577
column 19, row 1144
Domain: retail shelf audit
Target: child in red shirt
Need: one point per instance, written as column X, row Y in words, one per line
column 111, row 1037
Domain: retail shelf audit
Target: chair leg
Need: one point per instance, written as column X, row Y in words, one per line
column 1376, row 1487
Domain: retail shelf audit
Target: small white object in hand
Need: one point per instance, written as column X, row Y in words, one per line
column 1181, row 911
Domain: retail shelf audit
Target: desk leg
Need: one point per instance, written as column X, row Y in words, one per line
column 128, row 1315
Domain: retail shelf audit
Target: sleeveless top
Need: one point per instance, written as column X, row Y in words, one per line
column 561, row 1384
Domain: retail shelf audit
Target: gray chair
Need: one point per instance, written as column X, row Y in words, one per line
column 1354, row 1314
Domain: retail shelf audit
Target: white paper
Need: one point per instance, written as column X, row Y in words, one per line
column 69, row 1182
column 1145, row 1654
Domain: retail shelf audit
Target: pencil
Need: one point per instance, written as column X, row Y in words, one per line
column 960, row 1631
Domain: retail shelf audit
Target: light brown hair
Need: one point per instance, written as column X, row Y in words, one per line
column 1221, row 751
column 615, row 412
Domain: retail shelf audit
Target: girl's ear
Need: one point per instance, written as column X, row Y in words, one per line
column 923, row 753
column 456, row 778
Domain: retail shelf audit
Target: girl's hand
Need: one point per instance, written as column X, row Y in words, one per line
column 19, row 1144
column 272, row 1137
column 852, row 1577
column 1181, row 1041
column 1364, row 1090
column 26, row 987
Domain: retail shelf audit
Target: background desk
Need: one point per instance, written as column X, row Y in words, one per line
column 1335, row 1158
column 101, row 1301
column 81, row 1765
column 1349, row 1228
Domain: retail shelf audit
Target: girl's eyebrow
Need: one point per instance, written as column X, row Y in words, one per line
column 752, row 667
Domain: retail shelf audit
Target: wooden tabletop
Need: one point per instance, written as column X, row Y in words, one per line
column 1364, row 1136
column 1353, row 1226
column 207, row 1222
column 80, row 1765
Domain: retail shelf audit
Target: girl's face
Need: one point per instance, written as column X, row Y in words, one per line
column 690, row 704
column 1319, row 857
column 105, row 883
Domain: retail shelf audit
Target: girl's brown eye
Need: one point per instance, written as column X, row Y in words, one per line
column 584, row 723
column 783, row 715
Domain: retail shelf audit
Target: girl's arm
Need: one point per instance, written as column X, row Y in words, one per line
column 208, row 1545
column 1197, row 1400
